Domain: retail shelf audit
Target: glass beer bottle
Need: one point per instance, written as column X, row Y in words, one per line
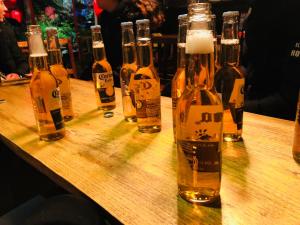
column 102, row 75
column 59, row 72
column 44, row 90
column 127, row 72
column 178, row 81
column 296, row 145
column 230, row 79
column 199, row 118
column 147, row 83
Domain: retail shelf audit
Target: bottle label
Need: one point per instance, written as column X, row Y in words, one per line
column 237, row 94
column 148, row 98
column 201, row 137
column 105, row 86
column 57, row 118
column 54, row 108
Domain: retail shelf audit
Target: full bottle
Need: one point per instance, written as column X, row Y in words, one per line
column 147, row 83
column 128, row 71
column 296, row 145
column 199, row 117
column 178, row 81
column 102, row 75
column 44, row 90
column 230, row 79
column 59, row 72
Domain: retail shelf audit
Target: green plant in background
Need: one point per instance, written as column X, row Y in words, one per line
column 63, row 21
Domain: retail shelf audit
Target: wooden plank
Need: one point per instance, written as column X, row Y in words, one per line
column 133, row 175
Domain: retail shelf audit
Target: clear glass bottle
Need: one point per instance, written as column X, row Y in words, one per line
column 59, row 72
column 199, row 118
column 44, row 90
column 102, row 75
column 147, row 83
column 178, row 81
column 128, row 71
column 296, row 145
column 230, row 79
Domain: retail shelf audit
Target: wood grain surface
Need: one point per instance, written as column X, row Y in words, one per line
column 133, row 175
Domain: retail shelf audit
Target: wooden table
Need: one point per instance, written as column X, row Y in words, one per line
column 133, row 175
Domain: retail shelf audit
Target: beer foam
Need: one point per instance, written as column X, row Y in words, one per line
column 199, row 42
column 230, row 41
column 181, row 45
column 38, row 55
column 36, row 45
column 98, row 44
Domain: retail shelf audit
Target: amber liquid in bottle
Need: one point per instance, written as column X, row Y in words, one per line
column 147, row 90
column 230, row 79
column 296, row 145
column 128, row 71
column 62, row 77
column 178, row 82
column 199, row 124
column 103, row 80
column 46, row 100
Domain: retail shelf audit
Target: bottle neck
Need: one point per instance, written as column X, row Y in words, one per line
column 99, row 51
column 129, row 53
column 230, row 46
column 128, row 45
column 144, row 50
column 199, row 59
column 53, row 49
column 39, row 62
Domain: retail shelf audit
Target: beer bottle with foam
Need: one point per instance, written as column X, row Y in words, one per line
column 44, row 90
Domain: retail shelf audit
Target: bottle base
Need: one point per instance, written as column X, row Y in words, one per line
column 232, row 137
column 149, row 129
column 68, row 118
column 52, row 137
column 296, row 157
column 131, row 119
column 204, row 196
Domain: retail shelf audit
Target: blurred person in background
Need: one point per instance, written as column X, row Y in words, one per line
column 272, row 58
column 13, row 64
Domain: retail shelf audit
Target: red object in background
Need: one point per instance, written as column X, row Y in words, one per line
column 10, row 4
column 17, row 15
column 97, row 9
column 13, row 12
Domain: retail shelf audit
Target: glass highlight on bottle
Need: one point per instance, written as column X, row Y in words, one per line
column 230, row 79
column 128, row 71
column 102, row 75
column 147, row 83
column 59, row 72
column 296, row 145
column 44, row 90
column 199, row 118
column 178, row 81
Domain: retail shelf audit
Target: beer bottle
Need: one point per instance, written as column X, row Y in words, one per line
column 59, row 72
column 230, row 79
column 128, row 70
column 44, row 90
column 147, row 83
column 296, row 145
column 178, row 81
column 102, row 75
column 199, row 117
